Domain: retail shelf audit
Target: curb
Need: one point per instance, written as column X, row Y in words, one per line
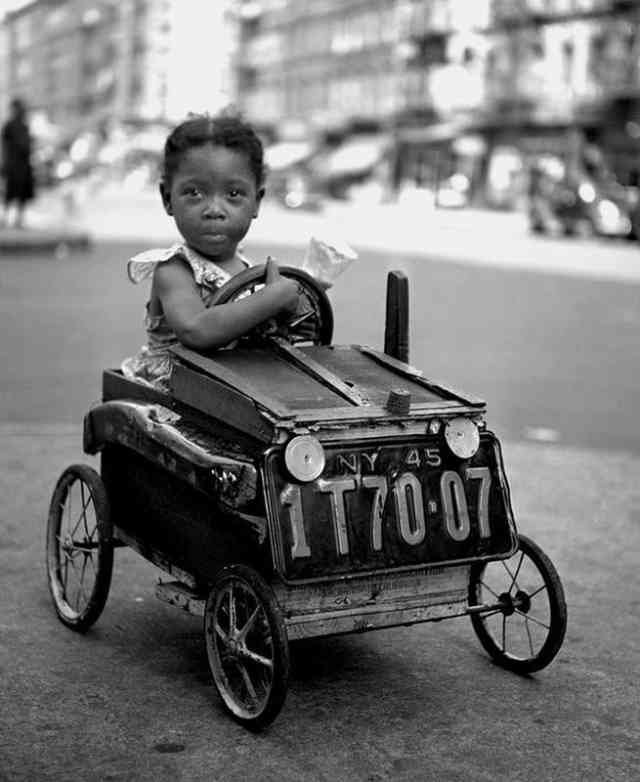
column 42, row 240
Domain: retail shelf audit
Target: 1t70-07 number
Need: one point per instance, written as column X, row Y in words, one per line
column 410, row 509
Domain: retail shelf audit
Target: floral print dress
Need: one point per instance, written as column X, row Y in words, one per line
column 152, row 364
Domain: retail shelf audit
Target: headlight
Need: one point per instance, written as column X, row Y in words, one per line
column 462, row 437
column 304, row 458
column 609, row 214
column 587, row 192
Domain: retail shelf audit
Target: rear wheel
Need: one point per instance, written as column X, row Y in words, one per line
column 247, row 646
column 79, row 547
column 525, row 629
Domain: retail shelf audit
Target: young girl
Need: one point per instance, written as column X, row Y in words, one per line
column 212, row 185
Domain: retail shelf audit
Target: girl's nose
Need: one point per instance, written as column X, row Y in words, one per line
column 214, row 207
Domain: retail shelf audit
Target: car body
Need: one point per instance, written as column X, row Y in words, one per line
column 584, row 206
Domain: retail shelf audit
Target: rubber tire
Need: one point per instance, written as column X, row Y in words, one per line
column 80, row 621
column 557, row 606
column 255, row 275
column 280, row 646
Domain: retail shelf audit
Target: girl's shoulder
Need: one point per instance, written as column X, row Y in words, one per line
column 205, row 271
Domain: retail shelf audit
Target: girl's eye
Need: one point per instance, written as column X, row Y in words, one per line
column 235, row 193
column 192, row 191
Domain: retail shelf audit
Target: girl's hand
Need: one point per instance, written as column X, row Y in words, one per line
column 288, row 289
column 272, row 271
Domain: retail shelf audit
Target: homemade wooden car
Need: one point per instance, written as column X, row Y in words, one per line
column 292, row 488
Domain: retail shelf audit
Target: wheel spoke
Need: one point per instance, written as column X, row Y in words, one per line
column 83, row 571
column 511, row 575
column 533, row 619
column 504, row 632
column 232, row 611
column 526, row 626
column 247, row 682
column 515, row 575
column 537, row 591
column 84, row 508
column 488, row 588
column 80, row 593
column 242, row 633
column 491, row 613
column 257, row 658
column 220, row 633
column 65, row 577
column 82, row 517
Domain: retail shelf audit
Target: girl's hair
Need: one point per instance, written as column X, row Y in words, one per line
column 225, row 129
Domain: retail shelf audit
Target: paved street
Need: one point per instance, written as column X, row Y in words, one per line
column 548, row 331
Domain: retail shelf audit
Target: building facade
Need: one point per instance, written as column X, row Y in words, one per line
column 84, row 63
column 469, row 87
column 456, row 83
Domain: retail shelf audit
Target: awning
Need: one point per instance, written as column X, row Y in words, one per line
column 355, row 156
column 286, row 153
column 438, row 132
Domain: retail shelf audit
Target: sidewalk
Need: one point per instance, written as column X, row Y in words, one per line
column 49, row 228
column 58, row 240
column 469, row 236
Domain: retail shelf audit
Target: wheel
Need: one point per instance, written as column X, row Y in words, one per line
column 526, row 631
column 584, row 228
column 79, row 547
column 313, row 323
column 247, row 646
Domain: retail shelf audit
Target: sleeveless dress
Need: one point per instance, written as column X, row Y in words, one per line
column 152, row 364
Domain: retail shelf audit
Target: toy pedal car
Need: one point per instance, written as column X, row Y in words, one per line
column 293, row 488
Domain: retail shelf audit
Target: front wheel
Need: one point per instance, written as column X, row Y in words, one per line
column 79, row 547
column 525, row 626
column 247, row 646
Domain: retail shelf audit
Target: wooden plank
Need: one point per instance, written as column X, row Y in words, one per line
column 371, row 412
column 396, row 330
column 225, row 375
column 339, row 624
column 177, row 594
column 321, row 373
column 381, row 591
column 406, row 370
column 359, row 369
column 219, row 401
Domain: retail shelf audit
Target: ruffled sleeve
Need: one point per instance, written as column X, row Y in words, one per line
column 206, row 273
column 142, row 265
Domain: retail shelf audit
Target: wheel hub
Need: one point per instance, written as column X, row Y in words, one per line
column 522, row 601
column 506, row 601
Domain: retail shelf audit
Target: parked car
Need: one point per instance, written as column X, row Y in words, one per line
column 583, row 206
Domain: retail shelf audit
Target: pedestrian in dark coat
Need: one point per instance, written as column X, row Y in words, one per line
column 16, row 167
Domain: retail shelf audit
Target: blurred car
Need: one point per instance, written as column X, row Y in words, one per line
column 582, row 205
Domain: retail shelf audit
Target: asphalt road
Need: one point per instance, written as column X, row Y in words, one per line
column 556, row 357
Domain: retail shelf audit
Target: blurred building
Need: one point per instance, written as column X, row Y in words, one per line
column 562, row 74
column 467, row 91
column 88, row 63
column 460, row 97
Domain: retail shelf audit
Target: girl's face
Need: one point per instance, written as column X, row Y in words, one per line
column 213, row 197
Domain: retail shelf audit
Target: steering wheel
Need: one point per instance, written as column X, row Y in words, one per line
column 313, row 320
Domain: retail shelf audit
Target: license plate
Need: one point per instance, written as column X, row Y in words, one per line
column 387, row 507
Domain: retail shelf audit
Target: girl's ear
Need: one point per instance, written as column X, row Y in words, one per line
column 259, row 197
column 165, row 194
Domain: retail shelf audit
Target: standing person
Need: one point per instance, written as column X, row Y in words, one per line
column 212, row 185
column 16, row 167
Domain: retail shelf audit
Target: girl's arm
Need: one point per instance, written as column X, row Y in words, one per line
column 200, row 327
